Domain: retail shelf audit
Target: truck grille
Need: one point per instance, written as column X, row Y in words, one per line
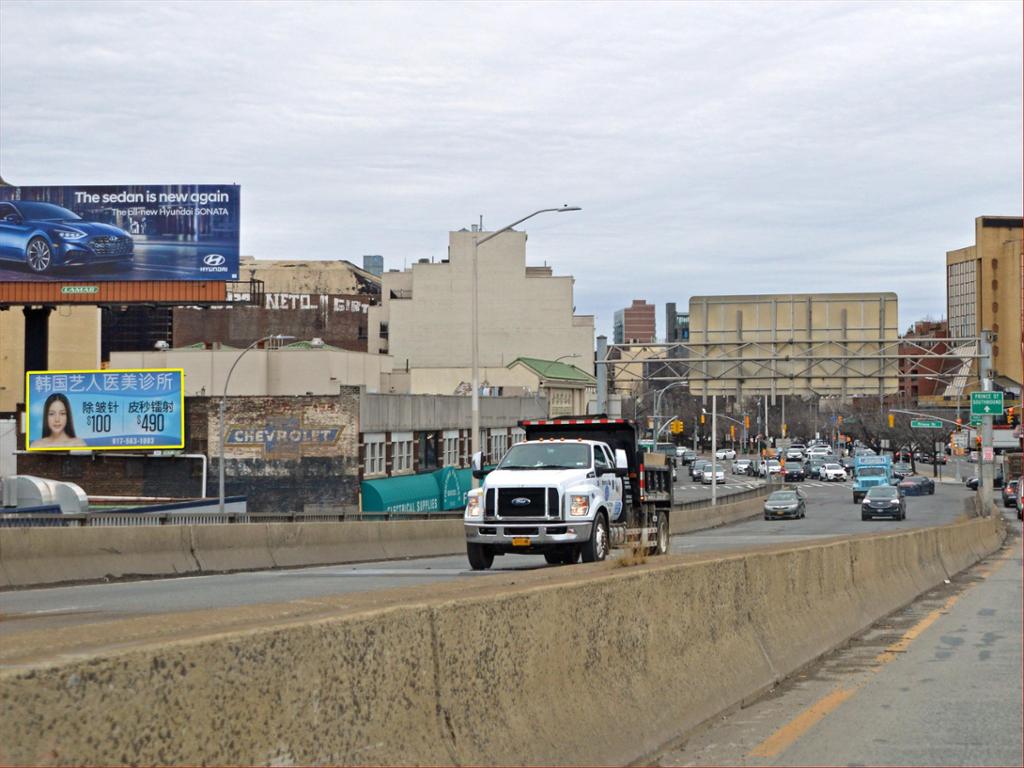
column 111, row 246
column 525, row 502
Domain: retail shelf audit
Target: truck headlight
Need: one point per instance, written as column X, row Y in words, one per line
column 579, row 506
column 473, row 506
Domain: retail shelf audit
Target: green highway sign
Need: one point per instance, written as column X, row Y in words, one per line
column 986, row 403
column 925, row 424
column 975, row 421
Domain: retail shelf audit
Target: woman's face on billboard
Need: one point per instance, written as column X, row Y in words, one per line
column 56, row 417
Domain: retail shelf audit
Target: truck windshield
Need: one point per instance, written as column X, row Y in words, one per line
column 871, row 472
column 546, row 456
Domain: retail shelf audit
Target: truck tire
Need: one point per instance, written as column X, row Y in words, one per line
column 480, row 556
column 553, row 557
column 571, row 554
column 662, row 546
column 595, row 549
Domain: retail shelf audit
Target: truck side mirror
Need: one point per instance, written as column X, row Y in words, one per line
column 621, row 462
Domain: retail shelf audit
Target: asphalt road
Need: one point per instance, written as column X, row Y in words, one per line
column 938, row 683
column 830, row 513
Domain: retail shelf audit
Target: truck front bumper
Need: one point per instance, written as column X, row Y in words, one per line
column 506, row 536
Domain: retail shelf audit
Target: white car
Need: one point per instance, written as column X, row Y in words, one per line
column 725, row 453
column 719, row 476
column 832, row 472
column 794, row 454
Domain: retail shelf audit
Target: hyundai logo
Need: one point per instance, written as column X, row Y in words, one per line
column 214, row 260
column 520, row 501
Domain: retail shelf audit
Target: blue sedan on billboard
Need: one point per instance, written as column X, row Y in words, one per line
column 44, row 236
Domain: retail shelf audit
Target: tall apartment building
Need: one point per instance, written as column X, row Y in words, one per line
column 985, row 290
column 635, row 324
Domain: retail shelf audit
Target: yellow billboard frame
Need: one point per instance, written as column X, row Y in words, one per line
column 181, row 397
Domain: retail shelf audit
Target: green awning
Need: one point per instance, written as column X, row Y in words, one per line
column 418, row 494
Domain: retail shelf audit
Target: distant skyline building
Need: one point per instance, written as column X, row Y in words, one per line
column 374, row 264
column 985, row 291
column 635, row 324
column 677, row 324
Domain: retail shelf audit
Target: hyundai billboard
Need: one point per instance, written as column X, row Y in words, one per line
column 131, row 232
column 113, row 410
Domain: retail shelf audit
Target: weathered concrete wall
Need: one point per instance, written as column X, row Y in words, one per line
column 594, row 665
column 34, row 556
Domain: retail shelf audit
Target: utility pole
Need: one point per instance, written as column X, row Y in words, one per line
column 985, row 469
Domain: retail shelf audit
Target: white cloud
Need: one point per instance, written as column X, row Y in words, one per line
column 715, row 147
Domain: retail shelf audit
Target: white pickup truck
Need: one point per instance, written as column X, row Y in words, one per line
column 575, row 488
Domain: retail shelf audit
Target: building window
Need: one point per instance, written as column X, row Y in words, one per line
column 428, row 451
column 518, row 435
column 374, row 452
column 401, row 452
column 452, row 454
column 499, row 444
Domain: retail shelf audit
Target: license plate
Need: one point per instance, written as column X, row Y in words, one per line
column 520, row 541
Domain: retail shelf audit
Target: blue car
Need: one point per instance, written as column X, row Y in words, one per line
column 44, row 236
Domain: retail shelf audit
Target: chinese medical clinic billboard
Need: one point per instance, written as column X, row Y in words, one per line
column 145, row 232
column 105, row 410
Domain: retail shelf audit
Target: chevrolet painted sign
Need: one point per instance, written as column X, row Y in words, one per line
column 282, row 436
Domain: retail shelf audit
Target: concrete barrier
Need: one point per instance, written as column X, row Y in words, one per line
column 594, row 665
column 31, row 556
column 692, row 519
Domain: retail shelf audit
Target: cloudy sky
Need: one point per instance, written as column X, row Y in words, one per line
column 714, row 148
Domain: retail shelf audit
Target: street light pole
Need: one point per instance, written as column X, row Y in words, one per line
column 475, row 341
column 223, row 405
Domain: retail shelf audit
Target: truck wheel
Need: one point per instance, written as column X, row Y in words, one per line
column 480, row 556
column 595, row 549
column 571, row 555
column 554, row 557
column 662, row 546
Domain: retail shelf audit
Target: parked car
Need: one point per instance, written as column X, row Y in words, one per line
column 917, row 485
column 725, row 453
column 832, row 472
column 885, row 501
column 794, row 472
column 719, row 476
column 781, row 504
column 741, row 466
column 1010, row 493
column 44, row 236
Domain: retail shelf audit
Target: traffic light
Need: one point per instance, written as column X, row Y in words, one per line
column 702, row 418
column 746, row 422
column 839, row 420
column 783, row 430
column 1009, row 415
column 892, row 421
column 959, row 424
column 732, row 431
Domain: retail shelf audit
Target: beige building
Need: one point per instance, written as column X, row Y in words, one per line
column 424, row 320
column 985, row 291
column 785, row 344
column 308, row 276
column 298, row 369
column 74, row 340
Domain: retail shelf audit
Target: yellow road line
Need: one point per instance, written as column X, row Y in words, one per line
column 803, row 722
column 800, row 724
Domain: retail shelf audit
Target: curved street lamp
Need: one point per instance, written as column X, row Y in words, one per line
column 223, row 404
column 474, row 438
